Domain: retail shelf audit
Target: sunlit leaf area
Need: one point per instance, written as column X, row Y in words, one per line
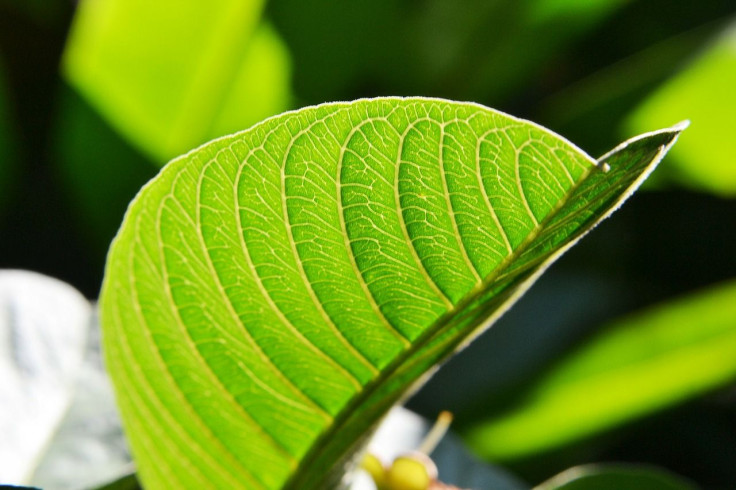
column 235, row 234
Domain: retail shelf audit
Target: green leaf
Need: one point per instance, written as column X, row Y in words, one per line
column 616, row 477
column 637, row 365
column 273, row 293
column 704, row 91
column 171, row 75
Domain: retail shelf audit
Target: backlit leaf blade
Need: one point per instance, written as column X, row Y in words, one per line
column 273, row 293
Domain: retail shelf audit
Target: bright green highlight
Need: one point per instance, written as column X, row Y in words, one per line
column 273, row 293
column 638, row 365
column 171, row 75
column 704, row 93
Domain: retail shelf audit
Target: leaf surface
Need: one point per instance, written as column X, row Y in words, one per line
column 273, row 293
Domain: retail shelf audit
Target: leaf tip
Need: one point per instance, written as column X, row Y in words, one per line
column 681, row 126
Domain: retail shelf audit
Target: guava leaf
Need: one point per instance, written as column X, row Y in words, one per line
column 272, row 294
column 635, row 366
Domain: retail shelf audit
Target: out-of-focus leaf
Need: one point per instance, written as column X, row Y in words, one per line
column 260, row 86
column 100, row 171
column 475, row 50
column 170, row 75
column 704, row 93
column 587, row 109
column 616, row 477
column 636, row 366
column 517, row 45
column 43, row 330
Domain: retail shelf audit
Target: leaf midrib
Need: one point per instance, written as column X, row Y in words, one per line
column 425, row 338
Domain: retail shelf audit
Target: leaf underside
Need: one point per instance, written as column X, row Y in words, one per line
column 273, row 293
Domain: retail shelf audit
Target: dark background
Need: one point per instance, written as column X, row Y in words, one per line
column 661, row 244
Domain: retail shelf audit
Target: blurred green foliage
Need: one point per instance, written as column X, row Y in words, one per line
column 100, row 170
column 152, row 82
column 172, row 75
column 488, row 51
column 633, row 367
column 704, row 92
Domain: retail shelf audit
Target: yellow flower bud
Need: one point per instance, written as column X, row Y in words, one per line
column 411, row 472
